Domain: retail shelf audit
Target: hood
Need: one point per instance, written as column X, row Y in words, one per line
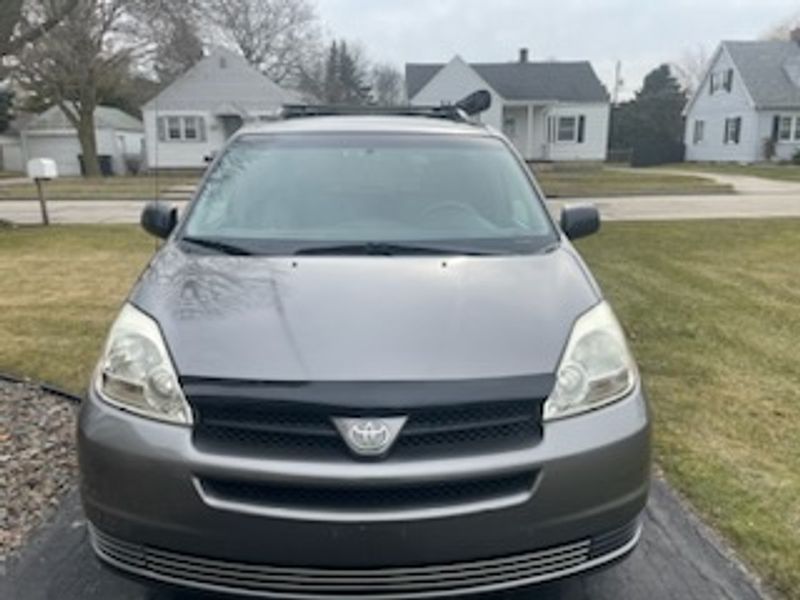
column 368, row 318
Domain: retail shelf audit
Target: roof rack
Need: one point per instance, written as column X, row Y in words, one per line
column 462, row 111
column 449, row 112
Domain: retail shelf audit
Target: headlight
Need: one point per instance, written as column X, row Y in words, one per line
column 596, row 369
column 136, row 373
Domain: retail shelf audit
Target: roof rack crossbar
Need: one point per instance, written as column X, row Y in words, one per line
column 449, row 112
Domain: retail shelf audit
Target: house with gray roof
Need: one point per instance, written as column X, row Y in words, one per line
column 551, row 111
column 119, row 137
column 193, row 117
column 747, row 108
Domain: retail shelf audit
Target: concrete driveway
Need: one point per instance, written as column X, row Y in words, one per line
column 678, row 559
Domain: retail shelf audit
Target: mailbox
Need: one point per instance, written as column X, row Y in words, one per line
column 42, row 168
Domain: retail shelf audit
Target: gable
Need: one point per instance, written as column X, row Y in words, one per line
column 545, row 81
column 222, row 78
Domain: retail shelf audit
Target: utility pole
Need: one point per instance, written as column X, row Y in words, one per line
column 617, row 83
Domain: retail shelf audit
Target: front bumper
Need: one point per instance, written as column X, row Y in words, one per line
column 150, row 518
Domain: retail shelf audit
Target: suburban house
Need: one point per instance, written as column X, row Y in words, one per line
column 193, row 117
column 551, row 111
column 747, row 108
column 120, row 138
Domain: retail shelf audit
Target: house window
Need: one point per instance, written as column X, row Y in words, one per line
column 699, row 131
column 510, row 127
column 733, row 130
column 174, row 128
column 714, row 83
column 797, row 128
column 567, row 129
column 189, row 129
column 727, row 82
column 785, row 129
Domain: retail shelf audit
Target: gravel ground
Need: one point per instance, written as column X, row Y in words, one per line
column 37, row 453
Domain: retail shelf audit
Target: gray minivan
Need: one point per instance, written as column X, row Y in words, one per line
column 365, row 363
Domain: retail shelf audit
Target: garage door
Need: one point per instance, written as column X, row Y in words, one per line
column 62, row 149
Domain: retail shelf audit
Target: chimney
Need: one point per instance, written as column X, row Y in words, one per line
column 523, row 55
column 794, row 35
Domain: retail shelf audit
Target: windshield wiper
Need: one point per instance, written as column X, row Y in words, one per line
column 211, row 244
column 386, row 249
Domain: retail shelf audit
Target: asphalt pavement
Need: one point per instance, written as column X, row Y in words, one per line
column 678, row 559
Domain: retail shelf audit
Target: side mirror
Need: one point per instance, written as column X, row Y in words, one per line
column 158, row 219
column 580, row 220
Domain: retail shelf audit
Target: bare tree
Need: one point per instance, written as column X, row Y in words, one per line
column 691, row 68
column 387, row 85
column 76, row 64
column 173, row 30
column 782, row 31
column 23, row 22
column 279, row 37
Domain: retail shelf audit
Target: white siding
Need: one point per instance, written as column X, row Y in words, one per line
column 714, row 109
column 179, row 154
column 595, row 143
column 63, row 146
column 455, row 81
column 11, row 154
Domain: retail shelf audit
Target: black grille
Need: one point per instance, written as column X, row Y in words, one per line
column 384, row 498
column 285, row 430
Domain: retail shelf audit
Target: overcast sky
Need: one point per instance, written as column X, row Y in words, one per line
column 640, row 33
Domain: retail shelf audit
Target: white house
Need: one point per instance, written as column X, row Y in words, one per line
column 552, row 111
column 51, row 135
column 194, row 116
column 747, row 104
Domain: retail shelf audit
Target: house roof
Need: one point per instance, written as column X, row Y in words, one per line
column 222, row 78
column 765, row 68
column 105, row 117
column 563, row 81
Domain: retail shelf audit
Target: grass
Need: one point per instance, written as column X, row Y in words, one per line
column 712, row 311
column 710, row 307
column 59, row 289
column 586, row 181
column 131, row 187
column 780, row 172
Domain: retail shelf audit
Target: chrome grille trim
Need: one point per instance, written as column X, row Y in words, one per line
column 288, row 583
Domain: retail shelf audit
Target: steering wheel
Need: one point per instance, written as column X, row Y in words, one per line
column 452, row 207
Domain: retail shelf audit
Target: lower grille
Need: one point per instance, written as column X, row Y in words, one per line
column 383, row 498
column 288, row 582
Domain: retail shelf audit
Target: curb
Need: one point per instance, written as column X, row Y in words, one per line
column 47, row 387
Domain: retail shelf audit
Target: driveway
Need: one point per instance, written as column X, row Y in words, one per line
column 678, row 559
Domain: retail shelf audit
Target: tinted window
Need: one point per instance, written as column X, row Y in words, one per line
column 371, row 188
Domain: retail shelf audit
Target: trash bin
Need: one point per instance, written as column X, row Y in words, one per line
column 105, row 161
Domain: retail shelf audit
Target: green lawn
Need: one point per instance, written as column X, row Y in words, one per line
column 139, row 187
column 573, row 181
column 765, row 170
column 566, row 181
column 711, row 309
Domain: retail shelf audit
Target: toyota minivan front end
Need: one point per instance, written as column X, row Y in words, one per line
column 365, row 363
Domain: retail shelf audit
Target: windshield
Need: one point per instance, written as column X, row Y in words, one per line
column 292, row 192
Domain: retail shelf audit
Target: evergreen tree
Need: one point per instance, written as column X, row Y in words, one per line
column 653, row 120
